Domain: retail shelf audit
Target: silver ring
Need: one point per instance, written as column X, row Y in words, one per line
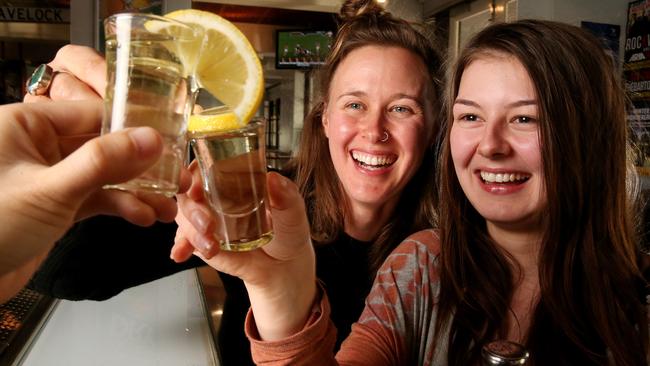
column 39, row 82
column 385, row 138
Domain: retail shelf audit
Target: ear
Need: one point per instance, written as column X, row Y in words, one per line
column 325, row 120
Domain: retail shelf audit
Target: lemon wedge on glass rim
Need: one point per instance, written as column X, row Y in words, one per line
column 214, row 119
column 228, row 68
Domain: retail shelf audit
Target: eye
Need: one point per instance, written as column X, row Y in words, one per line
column 401, row 109
column 525, row 119
column 354, row 106
column 468, row 118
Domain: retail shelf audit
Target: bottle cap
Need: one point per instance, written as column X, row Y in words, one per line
column 503, row 352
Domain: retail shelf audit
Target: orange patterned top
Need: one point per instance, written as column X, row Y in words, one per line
column 396, row 327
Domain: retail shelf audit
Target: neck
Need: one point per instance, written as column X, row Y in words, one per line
column 522, row 245
column 524, row 248
column 363, row 222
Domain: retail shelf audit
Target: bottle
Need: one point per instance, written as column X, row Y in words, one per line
column 502, row 352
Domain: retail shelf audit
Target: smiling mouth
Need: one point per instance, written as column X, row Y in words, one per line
column 489, row 177
column 373, row 162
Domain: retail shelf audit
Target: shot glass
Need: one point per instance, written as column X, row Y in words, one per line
column 233, row 172
column 151, row 62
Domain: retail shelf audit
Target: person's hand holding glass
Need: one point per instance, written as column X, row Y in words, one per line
column 151, row 62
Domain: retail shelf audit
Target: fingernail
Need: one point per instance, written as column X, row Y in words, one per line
column 146, row 140
column 199, row 221
column 172, row 254
column 204, row 243
column 178, row 237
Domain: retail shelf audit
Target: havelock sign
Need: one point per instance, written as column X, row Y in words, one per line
column 34, row 15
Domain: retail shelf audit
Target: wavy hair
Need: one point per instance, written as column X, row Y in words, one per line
column 364, row 23
column 591, row 309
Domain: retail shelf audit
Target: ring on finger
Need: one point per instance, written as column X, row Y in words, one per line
column 41, row 79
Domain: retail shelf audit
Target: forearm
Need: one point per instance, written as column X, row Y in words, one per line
column 104, row 255
column 313, row 345
column 22, row 240
column 283, row 307
column 31, row 224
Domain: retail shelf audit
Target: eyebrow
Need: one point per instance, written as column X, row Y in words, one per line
column 519, row 103
column 352, row 93
column 414, row 98
column 358, row 93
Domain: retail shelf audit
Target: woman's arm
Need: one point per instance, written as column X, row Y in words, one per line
column 102, row 256
column 395, row 327
column 280, row 276
column 52, row 169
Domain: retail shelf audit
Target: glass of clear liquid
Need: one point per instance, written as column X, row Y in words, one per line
column 151, row 62
column 233, row 173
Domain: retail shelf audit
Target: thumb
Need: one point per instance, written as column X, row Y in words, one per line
column 290, row 224
column 108, row 159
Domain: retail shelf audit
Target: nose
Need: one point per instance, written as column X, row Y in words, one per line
column 373, row 127
column 494, row 142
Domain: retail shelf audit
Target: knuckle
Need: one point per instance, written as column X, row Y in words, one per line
column 93, row 64
column 60, row 89
column 63, row 52
column 98, row 157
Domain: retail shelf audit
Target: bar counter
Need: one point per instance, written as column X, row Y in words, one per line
column 161, row 323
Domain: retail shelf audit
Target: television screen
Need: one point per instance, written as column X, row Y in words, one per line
column 301, row 49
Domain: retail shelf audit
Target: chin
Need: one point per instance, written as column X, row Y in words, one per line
column 530, row 221
column 374, row 198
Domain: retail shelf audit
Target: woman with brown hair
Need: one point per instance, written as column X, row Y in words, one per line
column 536, row 242
column 365, row 165
column 564, row 274
column 365, row 168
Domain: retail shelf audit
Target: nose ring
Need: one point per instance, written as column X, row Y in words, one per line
column 385, row 137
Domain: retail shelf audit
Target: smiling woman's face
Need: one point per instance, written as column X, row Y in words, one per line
column 377, row 122
column 495, row 144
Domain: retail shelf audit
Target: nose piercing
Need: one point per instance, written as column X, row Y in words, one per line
column 385, row 138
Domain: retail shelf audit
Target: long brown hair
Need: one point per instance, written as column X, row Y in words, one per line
column 591, row 309
column 365, row 23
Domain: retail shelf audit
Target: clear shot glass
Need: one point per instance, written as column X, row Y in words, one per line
column 233, row 172
column 151, row 62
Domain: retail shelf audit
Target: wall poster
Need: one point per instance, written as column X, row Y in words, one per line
column 636, row 75
column 609, row 35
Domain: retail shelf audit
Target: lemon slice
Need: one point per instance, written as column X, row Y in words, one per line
column 228, row 66
column 182, row 40
column 207, row 122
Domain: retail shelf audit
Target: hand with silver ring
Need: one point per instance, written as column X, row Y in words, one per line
column 76, row 73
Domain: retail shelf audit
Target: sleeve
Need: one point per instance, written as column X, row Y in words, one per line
column 313, row 346
column 390, row 331
column 398, row 308
column 101, row 256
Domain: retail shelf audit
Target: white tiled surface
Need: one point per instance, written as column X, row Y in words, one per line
column 160, row 323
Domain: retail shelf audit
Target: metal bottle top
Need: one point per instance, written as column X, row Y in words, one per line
column 503, row 352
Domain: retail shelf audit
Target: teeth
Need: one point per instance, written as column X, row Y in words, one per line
column 503, row 177
column 372, row 160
